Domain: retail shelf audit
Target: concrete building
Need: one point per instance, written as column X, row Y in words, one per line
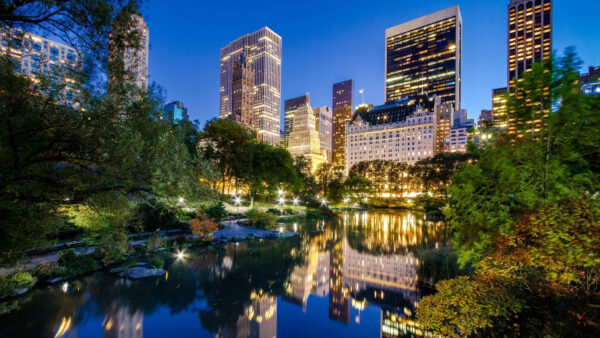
column 135, row 59
column 175, row 112
column 37, row 56
column 325, row 129
column 458, row 138
column 263, row 49
column 404, row 131
column 592, row 76
column 242, row 93
column 290, row 108
column 486, row 118
column 424, row 56
column 304, row 139
column 343, row 108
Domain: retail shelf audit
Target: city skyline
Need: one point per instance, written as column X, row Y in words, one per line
column 480, row 76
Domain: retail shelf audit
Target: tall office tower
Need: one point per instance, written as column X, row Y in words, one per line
column 500, row 108
column 304, row 138
column 135, row 58
column 325, row 129
column 38, row 56
column 175, row 112
column 290, row 108
column 529, row 35
column 424, row 56
column 242, row 93
column 444, row 124
column 263, row 49
column 343, row 108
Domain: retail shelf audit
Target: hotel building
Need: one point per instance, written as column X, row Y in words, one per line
column 424, row 56
column 263, row 49
column 325, row 129
column 343, row 108
column 404, row 131
column 304, row 139
column 37, row 56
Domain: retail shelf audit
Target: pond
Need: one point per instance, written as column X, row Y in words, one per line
column 354, row 275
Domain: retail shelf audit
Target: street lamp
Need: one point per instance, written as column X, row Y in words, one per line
column 181, row 200
column 280, row 192
column 295, row 201
column 281, row 200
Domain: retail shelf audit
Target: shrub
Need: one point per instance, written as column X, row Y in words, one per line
column 274, row 211
column 113, row 247
column 18, row 280
column 155, row 242
column 289, row 211
column 216, row 211
column 153, row 215
column 76, row 265
column 48, row 270
column 261, row 219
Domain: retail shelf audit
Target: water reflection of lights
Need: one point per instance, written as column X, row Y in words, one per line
column 181, row 255
column 295, row 227
column 65, row 287
column 65, row 325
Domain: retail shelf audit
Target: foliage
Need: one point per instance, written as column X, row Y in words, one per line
column 113, row 246
column 358, row 187
column 156, row 242
column 216, row 211
column 327, row 176
column 157, row 262
column 260, row 219
column 47, row 270
column 76, row 265
column 203, row 225
column 153, row 214
column 18, row 280
column 436, row 265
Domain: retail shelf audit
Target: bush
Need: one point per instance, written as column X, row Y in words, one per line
column 18, row 280
column 216, row 211
column 261, row 219
column 274, row 211
column 153, row 215
column 157, row 262
column 113, row 247
column 48, row 270
column 76, row 265
column 155, row 242
column 428, row 203
column 317, row 214
column 289, row 211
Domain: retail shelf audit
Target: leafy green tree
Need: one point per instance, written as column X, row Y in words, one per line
column 358, row 187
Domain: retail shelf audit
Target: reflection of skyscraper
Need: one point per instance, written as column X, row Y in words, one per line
column 339, row 297
column 258, row 321
column 122, row 323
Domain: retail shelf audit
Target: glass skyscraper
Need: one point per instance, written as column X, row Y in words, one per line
column 175, row 112
column 423, row 56
column 263, row 54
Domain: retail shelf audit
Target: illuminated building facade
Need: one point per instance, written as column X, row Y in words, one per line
column 242, row 93
column 135, row 59
column 304, row 139
column 529, row 35
column 325, row 129
column 404, row 131
column 343, row 108
column 37, row 56
column 424, row 56
column 263, row 49
column 486, row 118
column 593, row 75
column 290, row 108
column 175, row 112
column 500, row 108
column 458, row 138
column 444, row 125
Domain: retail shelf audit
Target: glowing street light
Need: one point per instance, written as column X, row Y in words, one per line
column 324, row 202
column 280, row 192
column 237, row 200
column 295, row 201
column 281, row 200
column 181, row 255
column 346, row 200
column 181, row 200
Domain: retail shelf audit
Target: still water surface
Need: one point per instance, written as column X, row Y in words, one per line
column 352, row 276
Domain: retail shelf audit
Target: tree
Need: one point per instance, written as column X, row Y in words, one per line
column 358, row 187
column 325, row 176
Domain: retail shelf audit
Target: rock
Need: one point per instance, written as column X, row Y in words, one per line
column 140, row 272
column 20, row 291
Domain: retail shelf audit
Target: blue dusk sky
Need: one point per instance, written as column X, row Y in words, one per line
column 327, row 41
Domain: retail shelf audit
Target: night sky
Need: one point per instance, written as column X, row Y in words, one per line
column 328, row 41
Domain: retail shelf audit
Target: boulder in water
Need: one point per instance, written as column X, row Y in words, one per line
column 141, row 272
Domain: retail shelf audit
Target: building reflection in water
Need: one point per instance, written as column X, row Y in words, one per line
column 369, row 258
column 121, row 322
column 258, row 321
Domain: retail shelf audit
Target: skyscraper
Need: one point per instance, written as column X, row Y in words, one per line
column 529, row 35
column 325, row 128
column 499, row 108
column 424, row 56
column 304, row 138
column 134, row 59
column 343, row 106
column 290, row 108
column 175, row 112
column 242, row 93
column 263, row 49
